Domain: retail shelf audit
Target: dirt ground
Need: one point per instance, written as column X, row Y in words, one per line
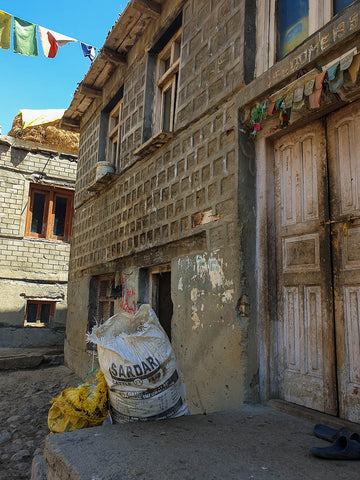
column 24, row 405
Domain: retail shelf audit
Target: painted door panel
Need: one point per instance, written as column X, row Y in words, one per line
column 344, row 178
column 306, row 339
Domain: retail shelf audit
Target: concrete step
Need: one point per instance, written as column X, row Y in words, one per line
column 18, row 358
column 254, row 442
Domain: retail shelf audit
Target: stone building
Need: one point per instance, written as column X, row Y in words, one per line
column 203, row 189
column 36, row 191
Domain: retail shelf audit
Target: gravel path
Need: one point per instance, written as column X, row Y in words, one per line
column 24, row 407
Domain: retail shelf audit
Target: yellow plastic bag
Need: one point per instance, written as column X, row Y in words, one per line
column 81, row 407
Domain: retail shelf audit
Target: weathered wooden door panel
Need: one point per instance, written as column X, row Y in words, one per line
column 306, row 338
column 344, row 178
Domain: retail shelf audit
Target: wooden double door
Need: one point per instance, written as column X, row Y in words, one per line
column 317, row 217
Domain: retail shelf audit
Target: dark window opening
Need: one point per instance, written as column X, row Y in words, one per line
column 60, row 216
column 50, row 212
column 38, row 213
column 161, row 301
column 39, row 313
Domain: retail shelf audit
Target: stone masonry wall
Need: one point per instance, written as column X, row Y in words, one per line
column 30, row 267
column 210, row 70
column 173, row 194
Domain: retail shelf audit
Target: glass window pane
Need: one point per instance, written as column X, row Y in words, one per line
column 166, row 110
column 31, row 312
column 341, row 4
column 37, row 213
column 60, row 215
column 292, row 24
column 45, row 313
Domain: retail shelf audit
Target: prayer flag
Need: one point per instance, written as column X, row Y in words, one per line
column 48, row 42
column 354, row 68
column 5, row 27
column 25, row 38
column 61, row 39
column 345, row 62
column 315, row 97
column 332, row 71
column 88, row 50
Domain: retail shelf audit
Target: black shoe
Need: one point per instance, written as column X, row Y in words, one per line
column 344, row 448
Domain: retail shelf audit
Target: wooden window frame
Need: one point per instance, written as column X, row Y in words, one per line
column 51, row 193
column 320, row 13
column 166, row 78
column 105, row 299
column 114, row 135
column 39, row 304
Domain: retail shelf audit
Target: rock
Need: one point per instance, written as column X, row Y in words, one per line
column 20, row 455
column 5, row 436
column 14, row 419
column 38, row 468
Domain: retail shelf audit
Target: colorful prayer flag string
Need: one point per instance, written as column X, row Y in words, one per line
column 25, row 40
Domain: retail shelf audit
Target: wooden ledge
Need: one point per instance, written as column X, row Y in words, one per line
column 153, row 144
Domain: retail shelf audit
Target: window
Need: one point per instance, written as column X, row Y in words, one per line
column 155, row 289
column 114, row 136
column 285, row 24
column 167, row 75
column 293, row 25
column 102, row 297
column 39, row 313
column 50, row 213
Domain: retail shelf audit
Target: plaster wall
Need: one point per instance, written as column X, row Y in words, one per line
column 178, row 205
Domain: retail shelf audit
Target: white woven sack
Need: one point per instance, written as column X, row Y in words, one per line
column 139, row 366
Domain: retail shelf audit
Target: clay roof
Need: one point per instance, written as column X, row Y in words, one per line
column 119, row 41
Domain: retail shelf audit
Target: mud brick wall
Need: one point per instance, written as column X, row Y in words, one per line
column 88, row 152
column 211, row 58
column 20, row 256
column 187, row 186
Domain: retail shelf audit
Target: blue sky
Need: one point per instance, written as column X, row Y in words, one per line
column 40, row 82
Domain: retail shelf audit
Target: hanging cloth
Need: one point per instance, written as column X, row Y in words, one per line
column 353, row 69
column 335, row 78
column 48, row 42
column 88, row 51
column 270, row 109
column 25, row 38
column 346, row 61
column 298, row 98
column 5, row 27
column 315, row 97
column 61, row 39
column 309, row 86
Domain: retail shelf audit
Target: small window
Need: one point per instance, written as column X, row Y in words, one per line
column 114, row 136
column 39, row 313
column 293, row 20
column 341, row 4
column 50, row 212
column 167, row 75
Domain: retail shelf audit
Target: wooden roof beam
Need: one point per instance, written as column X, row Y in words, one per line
column 147, row 6
column 69, row 123
column 113, row 56
column 90, row 91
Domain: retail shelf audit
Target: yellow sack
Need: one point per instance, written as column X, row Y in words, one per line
column 81, row 407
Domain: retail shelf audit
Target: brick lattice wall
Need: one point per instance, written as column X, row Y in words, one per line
column 155, row 201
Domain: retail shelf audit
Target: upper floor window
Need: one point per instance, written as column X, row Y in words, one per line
column 50, row 212
column 297, row 20
column 282, row 25
column 167, row 76
column 293, row 25
column 114, row 136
